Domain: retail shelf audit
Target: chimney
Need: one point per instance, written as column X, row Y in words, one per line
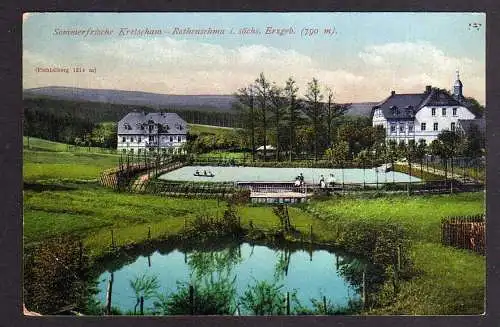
column 428, row 89
column 393, row 92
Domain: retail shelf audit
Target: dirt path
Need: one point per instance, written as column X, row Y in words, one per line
column 438, row 172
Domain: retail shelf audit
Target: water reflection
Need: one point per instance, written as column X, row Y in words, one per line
column 240, row 278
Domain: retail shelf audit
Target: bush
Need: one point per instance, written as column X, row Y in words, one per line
column 264, row 298
column 209, row 298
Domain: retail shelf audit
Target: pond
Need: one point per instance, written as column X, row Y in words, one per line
column 304, row 273
column 266, row 174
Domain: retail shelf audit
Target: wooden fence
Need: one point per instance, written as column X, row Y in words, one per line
column 465, row 232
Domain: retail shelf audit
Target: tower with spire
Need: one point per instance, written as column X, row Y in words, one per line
column 458, row 88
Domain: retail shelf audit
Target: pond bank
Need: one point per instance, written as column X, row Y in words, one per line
column 92, row 213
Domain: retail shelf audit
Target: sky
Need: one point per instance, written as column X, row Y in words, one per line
column 362, row 58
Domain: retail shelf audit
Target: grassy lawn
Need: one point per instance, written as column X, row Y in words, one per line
column 421, row 215
column 91, row 212
column 209, row 129
column 451, row 281
column 51, row 161
column 38, row 144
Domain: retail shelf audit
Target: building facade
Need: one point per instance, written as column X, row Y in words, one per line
column 422, row 116
column 159, row 131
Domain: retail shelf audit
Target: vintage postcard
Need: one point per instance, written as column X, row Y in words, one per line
column 247, row 164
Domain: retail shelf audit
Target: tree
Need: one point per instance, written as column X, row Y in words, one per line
column 144, row 287
column 445, row 146
column 262, row 89
column 474, row 106
column 332, row 111
column 420, row 152
column 246, row 97
column 473, row 142
column 315, row 110
column 293, row 113
column 278, row 106
column 338, row 153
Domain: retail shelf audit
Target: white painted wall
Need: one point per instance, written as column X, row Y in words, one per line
column 423, row 115
column 137, row 142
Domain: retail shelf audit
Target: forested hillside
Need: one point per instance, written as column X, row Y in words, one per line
column 97, row 112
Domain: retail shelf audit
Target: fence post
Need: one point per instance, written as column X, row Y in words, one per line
column 80, row 263
column 399, row 257
column 288, row 303
column 191, row 299
column 324, row 305
column 108, row 294
column 142, row 305
column 363, row 294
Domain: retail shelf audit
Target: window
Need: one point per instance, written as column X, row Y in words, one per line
column 435, row 127
column 454, row 111
column 123, row 139
column 131, row 139
column 444, row 111
column 401, row 128
column 453, row 126
column 410, row 128
column 434, row 111
column 139, row 151
column 393, row 128
column 171, row 139
column 139, row 140
column 422, row 126
column 178, row 138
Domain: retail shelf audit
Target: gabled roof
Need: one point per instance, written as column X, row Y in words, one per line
column 405, row 106
column 401, row 106
column 132, row 122
column 440, row 98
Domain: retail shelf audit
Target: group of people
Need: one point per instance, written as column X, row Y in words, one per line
column 209, row 174
column 330, row 182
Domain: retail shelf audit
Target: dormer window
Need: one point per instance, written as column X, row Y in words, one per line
column 409, row 111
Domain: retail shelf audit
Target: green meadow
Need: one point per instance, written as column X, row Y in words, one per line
column 70, row 201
